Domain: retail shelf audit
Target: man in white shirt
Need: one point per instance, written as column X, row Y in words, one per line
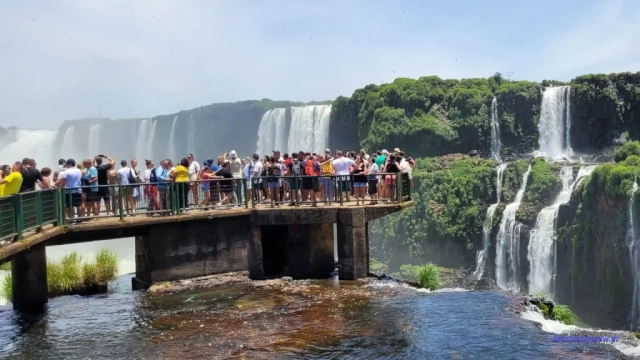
column 235, row 166
column 256, row 173
column 194, row 172
column 71, row 180
column 342, row 166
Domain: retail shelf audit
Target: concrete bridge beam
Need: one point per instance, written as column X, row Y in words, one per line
column 29, row 279
column 353, row 244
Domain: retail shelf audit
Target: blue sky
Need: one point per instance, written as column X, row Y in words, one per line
column 80, row 58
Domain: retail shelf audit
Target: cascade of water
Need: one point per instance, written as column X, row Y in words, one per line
column 541, row 252
column 271, row 132
column 69, row 148
column 173, row 153
column 567, row 134
column 481, row 256
column 554, row 122
column 634, row 250
column 495, row 131
column 191, row 136
column 142, row 141
column 94, row 140
column 35, row 144
column 309, row 128
column 149, row 148
column 508, row 242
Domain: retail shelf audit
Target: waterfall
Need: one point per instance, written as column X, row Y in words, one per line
column 635, row 261
column 149, row 148
column 481, row 256
column 173, row 153
column 69, row 148
column 555, row 122
column 542, row 247
column 94, row 140
column 495, row 131
column 309, row 128
column 145, row 137
column 272, row 132
column 191, row 136
column 35, row 144
column 508, row 242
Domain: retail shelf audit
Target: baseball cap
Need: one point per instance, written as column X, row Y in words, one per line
column 233, row 153
column 208, row 161
column 385, row 152
column 396, row 150
column 71, row 162
column 327, row 151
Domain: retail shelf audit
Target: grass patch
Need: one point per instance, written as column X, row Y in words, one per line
column 563, row 314
column 73, row 275
column 6, row 266
column 428, row 276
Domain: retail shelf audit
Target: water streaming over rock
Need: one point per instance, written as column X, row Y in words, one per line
column 481, row 256
column 69, row 148
column 35, row 144
column 495, row 131
column 309, row 128
column 508, row 242
column 542, row 248
column 144, row 140
column 555, row 122
column 634, row 250
column 191, row 136
column 94, row 140
column 272, row 133
column 173, row 153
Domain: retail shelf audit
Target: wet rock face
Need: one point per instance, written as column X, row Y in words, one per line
column 486, row 284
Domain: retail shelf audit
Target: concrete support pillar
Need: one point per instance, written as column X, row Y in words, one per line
column 255, row 257
column 142, row 280
column 352, row 244
column 321, row 257
column 29, row 279
column 297, row 236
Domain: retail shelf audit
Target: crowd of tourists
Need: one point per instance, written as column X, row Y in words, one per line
column 296, row 178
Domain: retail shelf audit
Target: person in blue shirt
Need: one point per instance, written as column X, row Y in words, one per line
column 92, row 199
column 164, row 185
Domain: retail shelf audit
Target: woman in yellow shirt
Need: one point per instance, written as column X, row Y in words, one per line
column 181, row 176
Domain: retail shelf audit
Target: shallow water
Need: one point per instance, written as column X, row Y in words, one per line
column 314, row 320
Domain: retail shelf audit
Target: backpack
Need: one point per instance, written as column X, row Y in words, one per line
column 274, row 170
column 296, row 169
column 153, row 178
column 308, row 169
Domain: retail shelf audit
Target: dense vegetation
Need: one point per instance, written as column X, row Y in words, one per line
column 72, row 275
column 434, row 117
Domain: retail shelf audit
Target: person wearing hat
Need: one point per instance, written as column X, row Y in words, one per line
column 71, row 180
column 235, row 167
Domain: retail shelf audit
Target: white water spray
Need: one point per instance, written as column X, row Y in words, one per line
column 191, row 136
column 94, row 140
column 508, row 242
column 309, row 128
column 542, row 247
column 495, row 131
column 634, row 250
column 35, row 144
column 481, row 256
column 272, row 132
column 555, row 122
column 173, row 153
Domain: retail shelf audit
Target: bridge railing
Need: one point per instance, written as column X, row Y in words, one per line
column 28, row 211
column 164, row 198
column 330, row 189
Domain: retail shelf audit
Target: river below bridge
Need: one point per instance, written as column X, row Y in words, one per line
column 302, row 319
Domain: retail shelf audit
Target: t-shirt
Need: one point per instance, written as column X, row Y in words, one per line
column 342, row 165
column 29, row 178
column 225, row 184
column 147, row 175
column 74, row 179
column 12, row 186
column 181, row 174
column 123, row 175
column 373, row 169
column 194, row 169
column 380, row 160
column 103, row 171
column 235, row 166
column 257, row 169
column 92, row 172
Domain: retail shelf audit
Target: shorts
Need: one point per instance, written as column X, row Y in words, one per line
column 249, row 182
column 390, row 179
column 310, row 183
column 86, row 190
column 72, row 199
column 359, row 184
column 373, row 189
column 92, row 197
column 103, row 193
column 344, row 185
column 204, row 187
column 294, row 183
column 273, row 185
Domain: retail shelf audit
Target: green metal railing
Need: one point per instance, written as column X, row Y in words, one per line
column 330, row 189
column 31, row 211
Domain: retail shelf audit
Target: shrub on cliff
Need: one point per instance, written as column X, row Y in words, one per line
column 627, row 149
column 429, row 276
column 543, row 185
